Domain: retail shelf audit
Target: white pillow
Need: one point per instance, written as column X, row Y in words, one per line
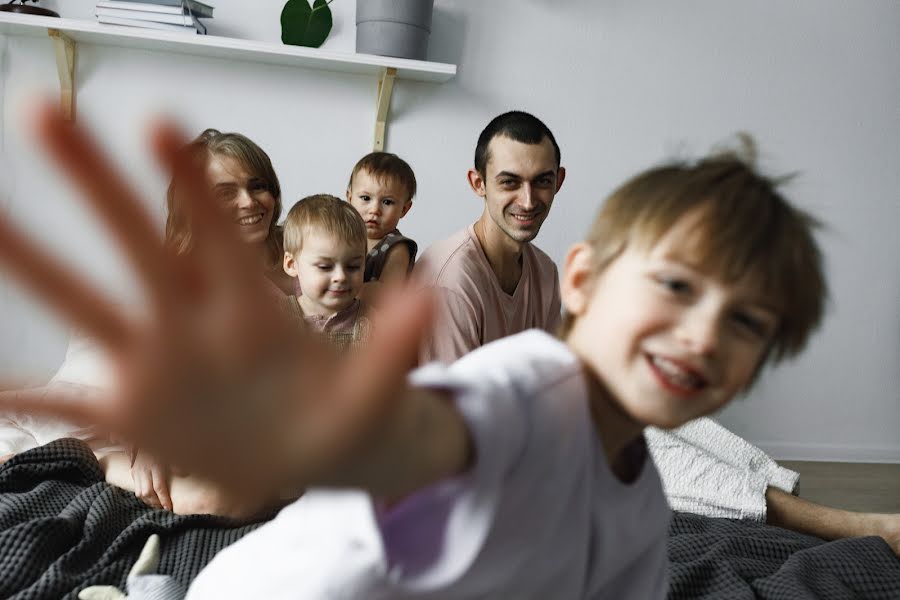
column 85, row 369
column 85, row 364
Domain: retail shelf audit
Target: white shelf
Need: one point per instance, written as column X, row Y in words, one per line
column 225, row 48
column 67, row 33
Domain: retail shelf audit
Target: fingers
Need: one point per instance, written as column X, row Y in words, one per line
column 151, row 483
column 54, row 283
column 143, row 486
column 394, row 348
column 227, row 274
column 62, row 403
column 139, row 480
column 372, row 380
column 213, row 234
column 108, row 194
column 161, row 486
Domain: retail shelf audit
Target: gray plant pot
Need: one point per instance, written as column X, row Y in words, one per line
column 397, row 28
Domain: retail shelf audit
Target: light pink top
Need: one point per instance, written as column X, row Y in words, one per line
column 472, row 307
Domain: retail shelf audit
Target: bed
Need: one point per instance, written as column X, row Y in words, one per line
column 726, row 558
column 62, row 529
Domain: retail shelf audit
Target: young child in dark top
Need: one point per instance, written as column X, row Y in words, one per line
column 381, row 189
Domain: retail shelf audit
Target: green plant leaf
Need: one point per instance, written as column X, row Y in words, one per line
column 302, row 25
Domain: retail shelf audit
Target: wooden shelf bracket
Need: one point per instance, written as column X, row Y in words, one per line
column 383, row 105
column 65, row 66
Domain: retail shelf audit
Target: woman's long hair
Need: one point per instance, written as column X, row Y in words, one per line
column 207, row 145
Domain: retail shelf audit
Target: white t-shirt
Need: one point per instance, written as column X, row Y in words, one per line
column 539, row 515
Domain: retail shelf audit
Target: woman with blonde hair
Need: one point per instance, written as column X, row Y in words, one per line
column 241, row 175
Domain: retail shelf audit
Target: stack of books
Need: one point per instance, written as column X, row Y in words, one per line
column 166, row 15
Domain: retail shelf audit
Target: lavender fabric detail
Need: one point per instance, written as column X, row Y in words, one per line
column 413, row 530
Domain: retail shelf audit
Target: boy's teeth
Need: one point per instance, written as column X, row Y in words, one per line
column 678, row 375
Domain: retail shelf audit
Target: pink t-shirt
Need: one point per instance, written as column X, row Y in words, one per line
column 472, row 308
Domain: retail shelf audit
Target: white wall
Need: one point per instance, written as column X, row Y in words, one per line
column 622, row 84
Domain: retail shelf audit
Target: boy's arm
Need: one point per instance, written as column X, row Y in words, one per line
column 424, row 441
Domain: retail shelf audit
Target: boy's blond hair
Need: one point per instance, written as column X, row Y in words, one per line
column 383, row 166
column 744, row 227
column 323, row 213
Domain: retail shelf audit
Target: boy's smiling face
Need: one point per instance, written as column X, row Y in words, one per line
column 667, row 341
column 330, row 272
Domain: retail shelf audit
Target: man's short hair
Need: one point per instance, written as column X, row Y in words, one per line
column 518, row 126
column 384, row 165
column 323, row 213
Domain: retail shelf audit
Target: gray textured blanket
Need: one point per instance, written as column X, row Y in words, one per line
column 62, row 528
column 724, row 558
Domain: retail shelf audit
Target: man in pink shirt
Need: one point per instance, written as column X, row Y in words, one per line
column 491, row 281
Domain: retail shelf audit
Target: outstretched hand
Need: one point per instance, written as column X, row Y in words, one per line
column 211, row 377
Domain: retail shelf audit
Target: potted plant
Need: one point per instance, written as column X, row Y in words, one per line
column 397, row 28
column 305, row 25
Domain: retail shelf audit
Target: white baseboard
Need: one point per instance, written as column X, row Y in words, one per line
column 831, row 452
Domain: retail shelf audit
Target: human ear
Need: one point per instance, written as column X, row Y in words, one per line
column 406, row 208
column 560, row 177
column 577, row 279
column 476, row 182
column 349, row 193
column 289, row 264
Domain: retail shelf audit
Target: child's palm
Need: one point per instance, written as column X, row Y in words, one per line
column 216, row 379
